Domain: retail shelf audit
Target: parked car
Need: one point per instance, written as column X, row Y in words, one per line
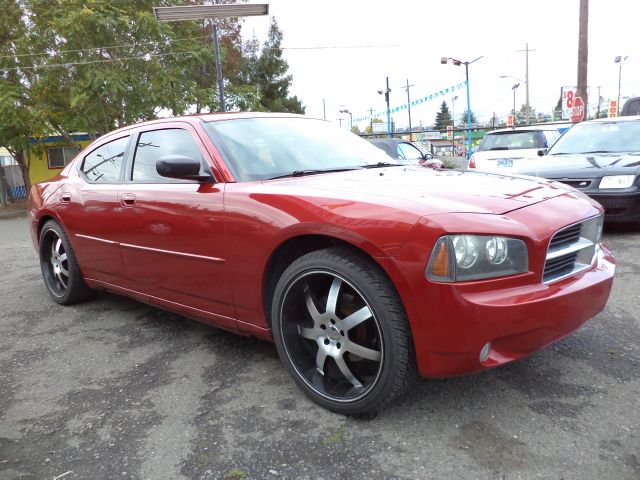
column 602, row 159
column 503, row 150
column 290, row 229
column 406, row 153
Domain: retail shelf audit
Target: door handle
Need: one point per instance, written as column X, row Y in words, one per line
column 128, row 199
column 65, row 197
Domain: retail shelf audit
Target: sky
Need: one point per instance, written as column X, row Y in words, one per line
column 342, row 51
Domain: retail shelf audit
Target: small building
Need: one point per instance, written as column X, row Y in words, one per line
column 50, row 155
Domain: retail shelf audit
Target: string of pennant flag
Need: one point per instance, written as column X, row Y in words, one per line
column 419, row 101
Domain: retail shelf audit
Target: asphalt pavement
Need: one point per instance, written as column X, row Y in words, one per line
column 113, row 388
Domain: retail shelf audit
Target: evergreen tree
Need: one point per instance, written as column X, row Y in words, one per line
column 268, row 72
column 463, row 120
column 443, row 117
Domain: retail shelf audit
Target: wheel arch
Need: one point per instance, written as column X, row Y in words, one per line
column 293, row 248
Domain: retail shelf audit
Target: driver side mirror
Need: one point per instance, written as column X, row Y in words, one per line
column 428, row 156
column 182, row 167
column 541, row 152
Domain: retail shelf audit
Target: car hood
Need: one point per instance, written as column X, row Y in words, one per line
column 423, row 191
column 583, row 165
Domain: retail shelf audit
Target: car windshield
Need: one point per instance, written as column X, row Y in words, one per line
column 599, row 138
column 510, row 141
column 268, row 147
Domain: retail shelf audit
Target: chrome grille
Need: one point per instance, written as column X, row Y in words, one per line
column 572, row 249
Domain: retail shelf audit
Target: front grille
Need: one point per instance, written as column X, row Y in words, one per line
column 577, row 183
column 572, row 249
column 566, row 236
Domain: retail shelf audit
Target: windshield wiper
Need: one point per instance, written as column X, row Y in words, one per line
column 599, row 151
column 380, row 165
column 312, row 171
column 499, row 148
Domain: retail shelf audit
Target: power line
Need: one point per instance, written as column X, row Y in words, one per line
column 68, row 64
column 105, row 47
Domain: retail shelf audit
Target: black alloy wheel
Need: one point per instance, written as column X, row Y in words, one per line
column 341, row 331
column 60, row 269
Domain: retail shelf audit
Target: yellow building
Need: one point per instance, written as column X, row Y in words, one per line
column 52, row 154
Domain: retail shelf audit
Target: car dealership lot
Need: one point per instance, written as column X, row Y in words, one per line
column 113, row 388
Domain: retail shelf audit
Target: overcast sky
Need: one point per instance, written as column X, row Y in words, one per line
column 404, row 39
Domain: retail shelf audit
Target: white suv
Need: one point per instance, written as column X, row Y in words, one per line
column 502, row 150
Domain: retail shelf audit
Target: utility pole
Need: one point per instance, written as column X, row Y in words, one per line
column 371, row 119
column 216, row 46
column 386, row 97
column 583, row 52
column 324, row 109
column 526, row 78
column 409, row 106
column 599, row 100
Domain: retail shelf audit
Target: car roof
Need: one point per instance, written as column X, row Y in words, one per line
column 531, row 128
column 629, row 118
column 387, row 141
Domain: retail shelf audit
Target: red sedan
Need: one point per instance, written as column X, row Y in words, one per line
column 363, row 272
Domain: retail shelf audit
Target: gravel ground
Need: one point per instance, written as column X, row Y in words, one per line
column 113, row 388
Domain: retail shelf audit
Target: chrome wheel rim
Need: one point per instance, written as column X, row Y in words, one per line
column 55, row 264
column 331, row 336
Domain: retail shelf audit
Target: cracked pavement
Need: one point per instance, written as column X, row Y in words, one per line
column 113, row 388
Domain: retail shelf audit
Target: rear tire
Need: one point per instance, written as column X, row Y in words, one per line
column 59, row 266
column 342, row 333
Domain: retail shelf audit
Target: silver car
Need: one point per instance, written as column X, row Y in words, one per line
column 503, row 150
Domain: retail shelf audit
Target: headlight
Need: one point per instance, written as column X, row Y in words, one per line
column 461, row 258
column 617, row 181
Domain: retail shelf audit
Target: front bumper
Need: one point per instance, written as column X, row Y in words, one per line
column 619, row 207
column 516, row 321
column 451, row 322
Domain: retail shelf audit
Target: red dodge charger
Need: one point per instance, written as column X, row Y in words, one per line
column 364, row 272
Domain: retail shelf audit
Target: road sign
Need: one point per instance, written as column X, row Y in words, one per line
column 568, row 94
column 449, row 131
column 613, row 108
column 577, row 110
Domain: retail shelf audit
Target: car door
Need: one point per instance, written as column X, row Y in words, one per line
column 90, row 208
column 173, row 230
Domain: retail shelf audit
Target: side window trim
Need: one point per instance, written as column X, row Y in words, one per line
column 127, row 154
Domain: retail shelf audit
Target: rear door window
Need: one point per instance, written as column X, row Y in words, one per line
column 103, row 165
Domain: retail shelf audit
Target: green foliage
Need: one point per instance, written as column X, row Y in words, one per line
column 266, row 71
column 463, row 120
column 92, row 66
column 443, row 117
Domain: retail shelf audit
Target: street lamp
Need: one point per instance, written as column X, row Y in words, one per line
column 350, row 117
column 386, row 97
column 526, row 83
column 457, row 63
column 620, row 61
column 453, row 126
column 201, row 12
column 514, row 88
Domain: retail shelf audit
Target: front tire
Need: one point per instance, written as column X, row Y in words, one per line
column 341, row 331
column 59, row 266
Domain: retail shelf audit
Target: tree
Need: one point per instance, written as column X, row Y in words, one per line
column 443, row 117
column 369, row 128
column 463, row 120
column 19, row 120
column 267, row 72
column 355, row 130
